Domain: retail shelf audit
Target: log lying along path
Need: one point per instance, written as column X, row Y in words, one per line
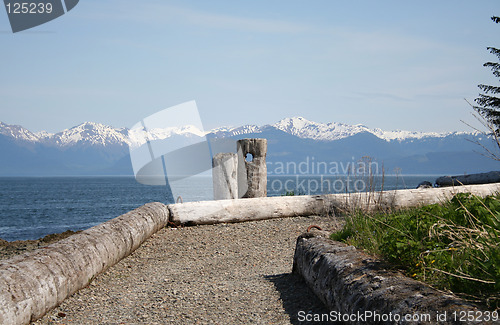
column 220, row 274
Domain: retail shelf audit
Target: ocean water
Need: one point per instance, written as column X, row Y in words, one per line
column 32, row 207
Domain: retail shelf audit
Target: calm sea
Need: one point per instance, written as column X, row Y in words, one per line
column 32, row 207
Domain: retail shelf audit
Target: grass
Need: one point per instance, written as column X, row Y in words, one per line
column 453, row 246
column 292, row 193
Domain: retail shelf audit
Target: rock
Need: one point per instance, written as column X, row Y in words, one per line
column 424, row 184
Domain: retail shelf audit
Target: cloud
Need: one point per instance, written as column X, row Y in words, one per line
column 157, row 14
column 381, row 95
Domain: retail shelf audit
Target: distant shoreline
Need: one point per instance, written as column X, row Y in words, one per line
column 9, row 249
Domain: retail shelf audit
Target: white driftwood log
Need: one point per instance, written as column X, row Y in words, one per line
column 210, row 212
column 400, row 199
column 417, row 197
column 31, row 284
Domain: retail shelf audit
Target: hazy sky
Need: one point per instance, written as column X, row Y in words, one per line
column 388, row 64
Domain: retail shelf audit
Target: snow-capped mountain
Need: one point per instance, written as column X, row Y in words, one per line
column 138, row 136
column 18, row 132
column 234, row 131
column 96, row 149
column 95, row 134
column 305, row 129
column 99, row 134
column 86, row 133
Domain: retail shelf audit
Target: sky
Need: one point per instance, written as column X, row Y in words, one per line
column 394, row 65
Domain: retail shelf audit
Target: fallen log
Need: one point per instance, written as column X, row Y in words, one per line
column 31, row 284
column 482, row 178
column 401, row 199
column 227, row 211
column 359, row 289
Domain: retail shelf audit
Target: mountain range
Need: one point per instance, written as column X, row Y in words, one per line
column 97, row 149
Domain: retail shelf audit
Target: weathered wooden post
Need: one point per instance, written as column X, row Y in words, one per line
column 252, row 169
column 224, row 175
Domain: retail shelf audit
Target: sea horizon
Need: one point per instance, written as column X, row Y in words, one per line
column 34, row 206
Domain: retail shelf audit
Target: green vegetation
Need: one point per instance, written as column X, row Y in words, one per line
column 488, row 104
column 292, row 193
column 453, row 246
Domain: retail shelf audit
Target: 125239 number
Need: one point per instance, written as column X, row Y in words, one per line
column 29, row 8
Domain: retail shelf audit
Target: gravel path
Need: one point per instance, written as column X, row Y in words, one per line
column 219, row 274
